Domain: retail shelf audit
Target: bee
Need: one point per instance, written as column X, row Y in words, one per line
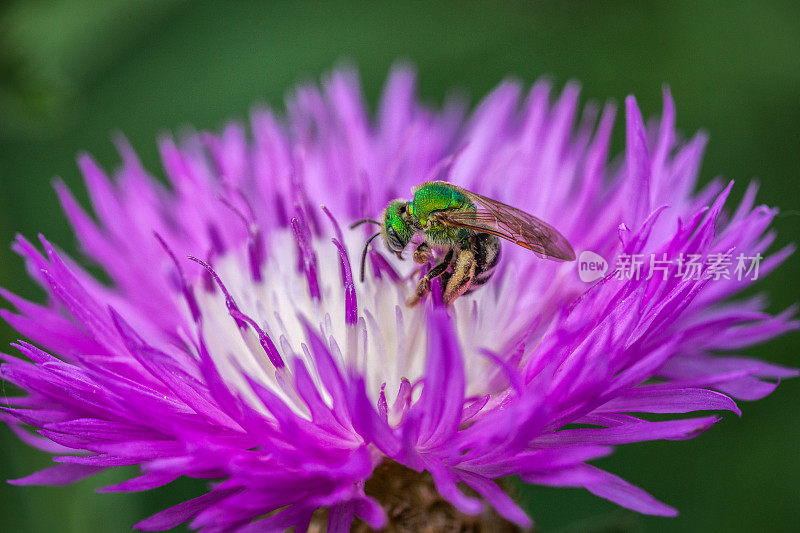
column 463, row 230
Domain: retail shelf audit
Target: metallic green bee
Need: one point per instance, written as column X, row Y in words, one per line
column 464, row 230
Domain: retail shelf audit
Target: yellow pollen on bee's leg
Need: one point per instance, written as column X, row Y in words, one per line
column 463, row 272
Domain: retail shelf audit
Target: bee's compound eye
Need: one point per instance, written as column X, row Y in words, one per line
column 393, row 240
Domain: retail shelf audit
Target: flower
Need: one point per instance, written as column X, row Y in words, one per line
column 234, row 344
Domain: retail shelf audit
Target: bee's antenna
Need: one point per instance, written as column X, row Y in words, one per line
column 357, row 224
column 364, row 255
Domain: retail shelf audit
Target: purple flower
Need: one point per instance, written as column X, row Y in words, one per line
column 234, row 344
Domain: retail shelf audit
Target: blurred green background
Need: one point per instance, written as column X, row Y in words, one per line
column 74, row 72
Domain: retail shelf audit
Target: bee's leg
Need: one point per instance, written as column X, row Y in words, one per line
column 422, row 254
column 461, row 279
column 424, row 285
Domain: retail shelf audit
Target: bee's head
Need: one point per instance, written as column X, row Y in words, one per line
column 397, row 227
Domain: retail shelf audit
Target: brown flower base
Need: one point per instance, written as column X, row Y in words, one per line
column 413, row 505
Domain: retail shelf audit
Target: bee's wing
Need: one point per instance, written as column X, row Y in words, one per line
column 512, row 224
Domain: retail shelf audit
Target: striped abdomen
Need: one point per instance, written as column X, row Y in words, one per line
column 487, row 254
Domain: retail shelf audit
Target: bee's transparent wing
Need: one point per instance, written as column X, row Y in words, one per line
column 511, row 224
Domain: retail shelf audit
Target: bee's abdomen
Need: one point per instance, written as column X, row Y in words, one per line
column 487, row 254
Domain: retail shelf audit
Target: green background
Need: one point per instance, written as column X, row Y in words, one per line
column 72, row 73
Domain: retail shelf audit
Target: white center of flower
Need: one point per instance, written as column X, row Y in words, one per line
column 386, row 344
